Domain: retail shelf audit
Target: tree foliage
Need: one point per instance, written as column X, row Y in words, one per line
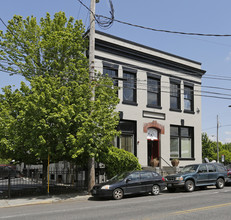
column 55, row 46
column 53, row 114
column 209, row 149
column 118, row 161
column 5, row 161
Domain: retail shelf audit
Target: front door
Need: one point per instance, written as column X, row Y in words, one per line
column 153, row 150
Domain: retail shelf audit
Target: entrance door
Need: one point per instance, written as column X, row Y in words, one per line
column 153, row 150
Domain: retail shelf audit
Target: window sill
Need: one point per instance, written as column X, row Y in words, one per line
column 182, row 159
column 189, row 112
column 129, row 103
column 154, row 106
column 175, row 110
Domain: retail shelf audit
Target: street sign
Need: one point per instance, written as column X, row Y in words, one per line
column 222, row 158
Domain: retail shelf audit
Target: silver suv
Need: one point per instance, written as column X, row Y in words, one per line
column 201, row 175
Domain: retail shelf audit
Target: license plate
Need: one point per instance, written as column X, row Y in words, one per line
column 170, row 185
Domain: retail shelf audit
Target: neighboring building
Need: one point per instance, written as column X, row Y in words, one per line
column 160, row 100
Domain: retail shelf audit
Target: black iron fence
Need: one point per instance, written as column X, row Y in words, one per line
column 14, row 183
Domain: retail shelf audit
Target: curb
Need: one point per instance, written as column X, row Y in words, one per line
column 32, row 201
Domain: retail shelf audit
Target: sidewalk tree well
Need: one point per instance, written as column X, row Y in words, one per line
column 52, row 113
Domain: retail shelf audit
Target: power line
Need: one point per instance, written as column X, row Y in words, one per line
column 216, row 127
column 79, row 11
column 173, row 32
column 141, row 82
column 218, row 77
column 164, row 91
column 157, row 30
column 207, row 75
column 108, row 22
column 26, row 49
column 103, row 22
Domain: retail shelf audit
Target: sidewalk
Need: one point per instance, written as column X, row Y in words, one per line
column 4, row 203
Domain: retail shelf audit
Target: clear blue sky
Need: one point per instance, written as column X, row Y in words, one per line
column 199, row 16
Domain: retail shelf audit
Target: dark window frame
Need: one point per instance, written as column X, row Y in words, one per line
column 177, row 97
column 111, row 68
column 133, row 131
column 180, row 136
column 191, row 100
column 157, row 92
column 129, row 83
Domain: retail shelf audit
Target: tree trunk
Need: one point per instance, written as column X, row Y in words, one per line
column 91, row 173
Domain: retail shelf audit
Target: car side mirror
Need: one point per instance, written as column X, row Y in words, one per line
column 128, row 180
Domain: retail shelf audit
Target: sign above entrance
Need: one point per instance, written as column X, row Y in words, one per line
column 152, row 134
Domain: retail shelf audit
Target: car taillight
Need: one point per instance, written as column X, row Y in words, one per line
column 163, row 178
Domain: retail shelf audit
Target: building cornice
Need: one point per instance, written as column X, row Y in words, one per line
column 122, row 51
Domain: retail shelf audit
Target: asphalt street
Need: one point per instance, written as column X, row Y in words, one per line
column 202, row 204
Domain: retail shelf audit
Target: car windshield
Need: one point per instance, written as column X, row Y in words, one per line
column 119, row 176
column 189, row 169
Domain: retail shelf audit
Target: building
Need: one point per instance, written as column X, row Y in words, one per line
column 160, row 100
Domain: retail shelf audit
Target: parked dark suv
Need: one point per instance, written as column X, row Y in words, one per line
column 202, row 175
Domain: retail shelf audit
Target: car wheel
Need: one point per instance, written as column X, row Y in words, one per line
column 155, row 190
column 118, row 194
column 189, row 186
column 171, row 190
column 220, row 183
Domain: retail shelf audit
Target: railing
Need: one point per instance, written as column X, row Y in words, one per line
column 166, row 162
column 173, row 168
column 29, row 182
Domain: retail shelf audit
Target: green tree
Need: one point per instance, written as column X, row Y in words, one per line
column 225, row 149
column 54, row 114
column 209, row 148
column 53, row 46
column 227, row 155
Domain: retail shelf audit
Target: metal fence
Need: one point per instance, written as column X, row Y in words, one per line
column 15, row 183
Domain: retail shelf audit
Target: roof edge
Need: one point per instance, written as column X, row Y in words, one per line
column 147, row 47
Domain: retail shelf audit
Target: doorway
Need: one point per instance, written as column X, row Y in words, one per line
column 127, row 142
column 153, row 150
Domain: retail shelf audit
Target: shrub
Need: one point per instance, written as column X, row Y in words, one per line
column 118, row 160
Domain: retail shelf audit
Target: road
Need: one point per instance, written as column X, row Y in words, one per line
column 209, row 204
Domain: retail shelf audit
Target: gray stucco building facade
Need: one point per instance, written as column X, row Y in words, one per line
column 160, row 100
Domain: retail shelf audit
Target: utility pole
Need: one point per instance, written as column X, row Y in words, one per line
column 217, row 140
column 92, row 43
column 91, row 161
